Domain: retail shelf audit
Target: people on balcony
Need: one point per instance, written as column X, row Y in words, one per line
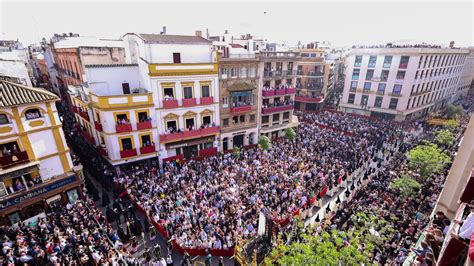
column 168, row 97
column 238, row 104
column 123, row 121
column 277, row 103
column 278, row 87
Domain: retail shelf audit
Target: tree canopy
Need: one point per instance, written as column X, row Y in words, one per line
column 452, row 111
column 264, row 142
column 428, row 159
column 445, row 137
column 290, row 133
column 406, row 185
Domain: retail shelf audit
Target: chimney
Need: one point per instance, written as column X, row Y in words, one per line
column 451, row 44
column 198, row 33
column 164, row 30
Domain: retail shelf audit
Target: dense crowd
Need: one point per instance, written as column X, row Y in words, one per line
column 206, row 204
column 75, row 235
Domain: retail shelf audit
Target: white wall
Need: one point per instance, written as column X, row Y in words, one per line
column 50, row 167
column 190, row 53
column 108, row 80
column 15, row 69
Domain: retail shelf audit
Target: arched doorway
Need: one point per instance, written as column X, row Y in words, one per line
column 225, row 144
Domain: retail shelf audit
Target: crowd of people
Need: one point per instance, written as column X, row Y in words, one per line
column 75, row 235
column 207, row 204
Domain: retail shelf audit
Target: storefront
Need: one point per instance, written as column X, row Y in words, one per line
column 31, row 203
column 190, row 148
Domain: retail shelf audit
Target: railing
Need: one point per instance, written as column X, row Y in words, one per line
column 147, row 149
column 240, row 109
column 291, row 90
column 268, row 93
column 170, row 104
column 98, row 126
column 380, row 92
column 128, row 153
column 357, row 64
column 189, row 134
column 103, row 151
column 11, row 160
column 309, row 99
column 395, row 94
column 143, row 125
column 280, row 92
column 189, row 102
column 123, row 128
column 275, row 109
column 207, row 100
column 315, row 73
column 403, row 65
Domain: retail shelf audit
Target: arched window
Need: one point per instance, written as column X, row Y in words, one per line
column 32, row 114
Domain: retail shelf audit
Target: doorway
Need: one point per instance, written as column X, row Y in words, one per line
column 238, row 141
column 190, row 151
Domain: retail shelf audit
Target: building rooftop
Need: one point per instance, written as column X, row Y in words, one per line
column 173, row 39
column 75, row 42
column 110, row 65
column 12, row 94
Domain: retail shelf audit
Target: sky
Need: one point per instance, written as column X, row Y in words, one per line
column 342, row 23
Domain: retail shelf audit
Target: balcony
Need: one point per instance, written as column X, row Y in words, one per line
column 98, row 126
column 315, row 74
column 84, row 115
column 189, row 102
column 147, row 149
column 309, row 99
column 240, row 109
column 280, row 92
column 144, row 125
column 403, row 65
column 178, row 136
column 290, row 90
column 168, row 104
column 268, row 93
column 15, row 159
column 276, row 109
column 123, row 128
column 395, row 94
column 206, row 100
column 74, row 109
column 128, row 153
column 88, row 137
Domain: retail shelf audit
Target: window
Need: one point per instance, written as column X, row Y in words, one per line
column 265, row 119
column 32, row 114
column 397, row 89
column 142, row 116
column 393, row 103
column 367, row 86
column 168, row 93
column 171, row 125
column 233, row 72
column 358, row 61
column 369, row 75
column 205, row 92
column 286, row 115
column 364, row 100
column 372, row 61
column 355, row 74
column 3, row 119
column 408, row 105
column 225, row 122
column 188, row 92
column 384, row 75
column 404, row 62
column 242, row 119
column 126, row 144
column 189, row 122
column 252, row 72
column 400, row 76
column 378, row 102
column 126, row 88
column 351, row 98
column 387, row 61
column 252, row 118
column 353, row 85
column 224, row 72
column 225, row 102
column 206, row 120
column 381, row 88
column 146, row 140
column 276, row 118
column 177, row 58
column 243, row 72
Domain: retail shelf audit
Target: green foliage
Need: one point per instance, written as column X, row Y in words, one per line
column 451, row 124
column 453, row 111
column 290, row 133
column 236, row 152
column 406, row 185
column 428, row 159
column 330, row 248
column 445, row 137
column 264, row 142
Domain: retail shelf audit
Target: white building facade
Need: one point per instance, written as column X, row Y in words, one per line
column 401, row 83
